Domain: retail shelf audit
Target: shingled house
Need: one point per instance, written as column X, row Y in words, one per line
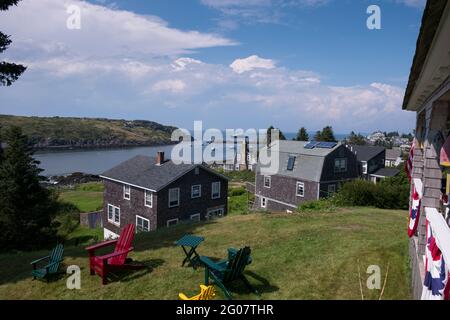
column 153, row 193
column 307, row 171
column 428, row 96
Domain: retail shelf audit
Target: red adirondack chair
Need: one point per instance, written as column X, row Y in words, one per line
column 102, row 265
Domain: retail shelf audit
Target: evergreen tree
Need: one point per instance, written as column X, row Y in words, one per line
column 325, row 135
column 27, row 208
column 9, row 72
column 269, row 135
column 302, row 135
column 356, row 139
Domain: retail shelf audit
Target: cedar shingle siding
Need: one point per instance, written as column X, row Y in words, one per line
column 314, row 168
column 183, row 177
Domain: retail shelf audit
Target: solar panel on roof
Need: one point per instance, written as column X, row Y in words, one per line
column 311, row 145
column 326, row 145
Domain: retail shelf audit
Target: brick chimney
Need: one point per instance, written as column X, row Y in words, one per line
column 159, row 158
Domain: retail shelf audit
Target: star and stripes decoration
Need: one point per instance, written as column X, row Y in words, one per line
column 414, row 212
column 436, row 285
column 409, row 162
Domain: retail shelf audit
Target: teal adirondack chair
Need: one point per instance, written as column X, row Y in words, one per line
column 229, row 270
column 54, row 260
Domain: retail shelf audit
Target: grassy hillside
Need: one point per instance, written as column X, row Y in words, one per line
column 46, row 132
column 86, row 197
column 298, row 256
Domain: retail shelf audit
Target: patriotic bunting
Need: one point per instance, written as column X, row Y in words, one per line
column 436, row 285
column 414, row 212
column 409, row 162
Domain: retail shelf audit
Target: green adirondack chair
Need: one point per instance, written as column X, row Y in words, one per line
column 53, row 262
column 229, row 270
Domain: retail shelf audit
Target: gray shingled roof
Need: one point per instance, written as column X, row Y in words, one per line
column 308, row 163
column 142, row 171
column 393, row 154
column 386, row 172
column 365, row 153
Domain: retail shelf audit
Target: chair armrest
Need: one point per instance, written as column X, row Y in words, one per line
column 114, row 254
column 211, row 264
column 182, row 296
column 39, row 260
column 101, row 245
column 52, row 263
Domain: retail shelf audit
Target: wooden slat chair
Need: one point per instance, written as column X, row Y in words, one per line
column 102, row 265
column 54, row 261
column 227, row 271
column 206, row 293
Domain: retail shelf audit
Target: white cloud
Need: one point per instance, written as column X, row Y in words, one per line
column 182, row 63
column 173, row 86
column 250, row 63
column 105, row 32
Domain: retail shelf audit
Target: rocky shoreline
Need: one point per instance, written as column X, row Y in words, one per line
column 71, row 179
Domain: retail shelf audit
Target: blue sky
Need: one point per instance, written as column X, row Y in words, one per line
column 230, row 63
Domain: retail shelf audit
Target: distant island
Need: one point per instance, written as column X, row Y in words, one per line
column 72, row 132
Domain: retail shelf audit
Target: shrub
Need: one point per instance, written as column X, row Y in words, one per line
column 324, row 205
column 236, row 192
column 391, row 193
column 356, row 193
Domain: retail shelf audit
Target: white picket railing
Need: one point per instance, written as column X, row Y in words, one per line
column 441, row 231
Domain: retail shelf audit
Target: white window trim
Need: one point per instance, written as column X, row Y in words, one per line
column 263, row 202
column 192, row 191
column 178, row 203
column 138, row 216
column 114, row 213
column 212, row 190
column 171, row 220
column 364, row 167
column 296, row 189
column 195, row 215
column 146, row 192
column 208, row 214
column 126, row 193
column 270, row 182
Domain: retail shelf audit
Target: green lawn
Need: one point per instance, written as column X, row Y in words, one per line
column 298, row 256
column 86, row 197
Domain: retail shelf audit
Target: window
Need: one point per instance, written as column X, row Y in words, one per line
column 195, row 217
column 300, row 189
column 172, row 222
column 214, row 213
column 114, row 214
column 142, row 224
column 263, row 202
column 267, row 181
column 291, row 162
column 196, row 191
column 215, row 190
column 331, row 189
column 174, row 197
column 197, row 170
column 364, row 167
column 126, row 192
column 148, row 199
column 340, row 165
